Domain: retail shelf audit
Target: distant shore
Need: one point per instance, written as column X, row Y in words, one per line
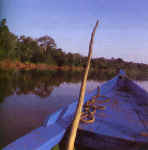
column 8, row 64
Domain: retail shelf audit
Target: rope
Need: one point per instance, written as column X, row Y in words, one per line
column 89, row 110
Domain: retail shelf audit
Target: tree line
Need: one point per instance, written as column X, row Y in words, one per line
column 44, row 50
column 39, row 50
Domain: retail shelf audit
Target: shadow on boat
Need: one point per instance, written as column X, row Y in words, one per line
column 102, row 142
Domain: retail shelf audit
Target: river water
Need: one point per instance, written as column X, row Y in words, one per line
column 27, row 98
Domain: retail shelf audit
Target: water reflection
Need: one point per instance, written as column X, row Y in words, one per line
column 40, row 83
column 33, row 82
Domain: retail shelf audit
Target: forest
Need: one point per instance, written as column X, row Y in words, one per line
column 43, row 50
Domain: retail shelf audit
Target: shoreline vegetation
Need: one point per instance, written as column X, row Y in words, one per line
column 135, row 71
column 26, row 53
column 8, row 64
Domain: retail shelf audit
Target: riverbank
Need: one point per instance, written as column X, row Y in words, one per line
column 103, row 73
column 8, row 64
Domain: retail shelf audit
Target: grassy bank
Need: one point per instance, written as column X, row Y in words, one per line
column 134, row 71
column 8, row 64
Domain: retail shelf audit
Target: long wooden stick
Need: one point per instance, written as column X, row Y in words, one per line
column 76, row 120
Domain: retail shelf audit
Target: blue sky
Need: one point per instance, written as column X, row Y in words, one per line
column 123, row 29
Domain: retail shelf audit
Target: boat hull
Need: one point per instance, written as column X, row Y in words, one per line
column 123, row 124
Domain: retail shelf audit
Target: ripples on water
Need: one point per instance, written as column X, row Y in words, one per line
column 27, row 98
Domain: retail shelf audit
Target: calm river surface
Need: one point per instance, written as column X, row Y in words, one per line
column 27, row 98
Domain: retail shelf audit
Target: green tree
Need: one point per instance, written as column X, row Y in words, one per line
column 8, row 41
column 46, row 43
column 28, row 49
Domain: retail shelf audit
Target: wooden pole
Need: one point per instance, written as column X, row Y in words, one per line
column 76, row 120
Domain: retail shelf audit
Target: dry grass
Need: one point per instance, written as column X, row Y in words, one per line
column 8, row 64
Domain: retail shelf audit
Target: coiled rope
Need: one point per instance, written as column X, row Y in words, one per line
column 89, row 109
